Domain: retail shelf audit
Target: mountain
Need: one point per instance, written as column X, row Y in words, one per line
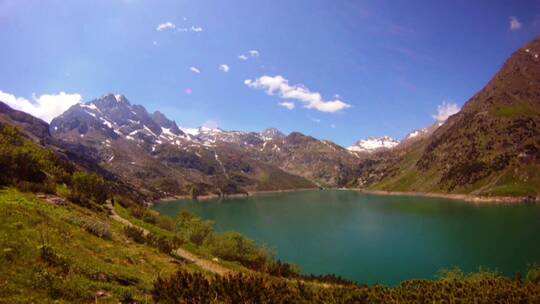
column 70, row 154
column 150, row 151
column 321, row 161
column 34, row 128
column 373, row 144
column 491, row 147
column 272, row 134
column 158, row 157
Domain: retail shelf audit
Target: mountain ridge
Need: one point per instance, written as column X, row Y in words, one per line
column 491, row 147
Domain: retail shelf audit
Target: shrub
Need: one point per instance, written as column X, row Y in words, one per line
column 49, row 280
column 134, row 233
column 281, row 269
column 147, row 215
column 533, row 275
column 163, row 244
column 97, row 228
column 48, row 254
column 45, row 187
column 124, row 201
column 184, row 287
column 23, row 160
column 88, row 186
column 193, row 229
column 165, row 222
column 232, row 246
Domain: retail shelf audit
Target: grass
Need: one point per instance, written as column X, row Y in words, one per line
column 408, row 178
column 516, row 109
column 117, row 267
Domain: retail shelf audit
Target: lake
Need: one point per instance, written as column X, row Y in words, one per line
column 378, row 239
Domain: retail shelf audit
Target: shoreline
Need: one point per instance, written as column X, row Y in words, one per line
column 213, row 196
column 470, row 198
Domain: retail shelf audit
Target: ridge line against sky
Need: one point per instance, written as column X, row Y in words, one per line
column 340, row 71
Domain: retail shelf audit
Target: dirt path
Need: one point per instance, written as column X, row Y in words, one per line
column 205, row 264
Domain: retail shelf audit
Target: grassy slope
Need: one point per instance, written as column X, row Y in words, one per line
column 510, row 182
column 95, row 264
column 491, row 147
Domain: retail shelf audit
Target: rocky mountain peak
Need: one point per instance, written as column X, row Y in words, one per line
column 272, row 134
column 166, row 123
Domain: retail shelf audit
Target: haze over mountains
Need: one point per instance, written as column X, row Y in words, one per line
column 491, row 147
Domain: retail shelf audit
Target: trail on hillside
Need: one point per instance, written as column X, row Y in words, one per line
column 202, row 263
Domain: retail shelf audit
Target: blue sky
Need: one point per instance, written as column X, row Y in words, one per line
column 390, row 64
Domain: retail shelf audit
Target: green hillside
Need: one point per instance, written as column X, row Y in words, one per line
column 490, row 148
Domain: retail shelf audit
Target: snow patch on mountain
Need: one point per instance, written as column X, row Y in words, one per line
column 416, row 133
column 373, row 144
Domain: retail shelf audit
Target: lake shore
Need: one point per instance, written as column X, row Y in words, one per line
column 214, row 196
column 461, row 197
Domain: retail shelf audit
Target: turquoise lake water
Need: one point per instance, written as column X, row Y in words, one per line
column 379, row 239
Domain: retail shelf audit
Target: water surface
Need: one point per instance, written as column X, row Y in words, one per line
column 379, row 239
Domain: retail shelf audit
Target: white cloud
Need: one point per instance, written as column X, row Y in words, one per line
column 445, row 110
column 223, row 67
column 195, row 29
column 165, row 26
column 514, row 23
column 195, row 70
column 287, row 104
column 280, row 86
column 250, row 53
column 46, row 106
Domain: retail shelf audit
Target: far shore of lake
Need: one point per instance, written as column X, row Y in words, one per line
column 477, row 199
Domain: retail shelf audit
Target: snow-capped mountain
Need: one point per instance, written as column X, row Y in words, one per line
column 271, row 134
column 113, row 116
column 373, row 144
column 148, row 148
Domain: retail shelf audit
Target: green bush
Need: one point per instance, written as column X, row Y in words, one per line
column 163, row 244
column 184, row 287
column 233, row 246
column 145, row 214
column 533, row 275
column 192, row 228
column 88, row 186
column 23, row 160
column 166, row 223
